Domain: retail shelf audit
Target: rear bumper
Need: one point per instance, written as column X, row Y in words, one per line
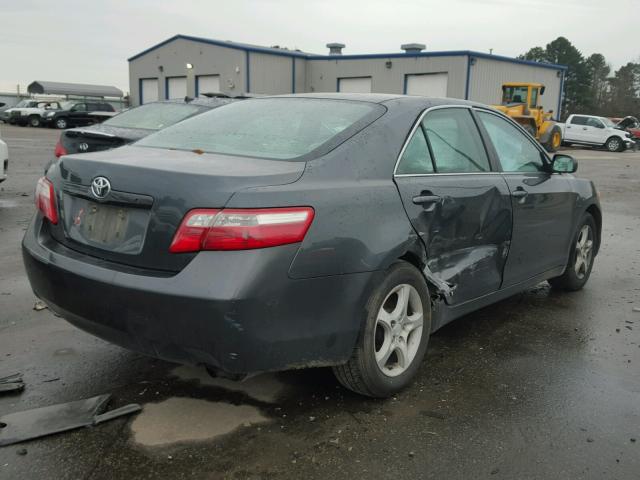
column 236, row 311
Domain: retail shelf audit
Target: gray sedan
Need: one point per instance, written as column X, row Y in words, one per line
column 308, row 230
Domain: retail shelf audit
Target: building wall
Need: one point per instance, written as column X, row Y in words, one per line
column 229, row 63
column 487, row 77
column 322, row 75
column 272, row 74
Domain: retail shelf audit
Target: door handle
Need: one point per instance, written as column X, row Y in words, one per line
column 584, row 128
column 425, row 199
column 519, row 193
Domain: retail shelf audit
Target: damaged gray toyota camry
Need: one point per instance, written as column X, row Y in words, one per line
column 308, row 230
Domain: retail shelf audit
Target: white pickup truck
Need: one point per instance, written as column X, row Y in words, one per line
column 30, row 112
column 4, row 161
column 595, row 131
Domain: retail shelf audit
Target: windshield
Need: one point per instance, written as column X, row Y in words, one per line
column 274, row 128
column 25, row 104
column 607, row 122
column 154, row 116
column 514, row 95
column 67, row 105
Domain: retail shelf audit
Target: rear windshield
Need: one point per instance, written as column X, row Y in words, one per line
column 273, row 128
column 154, row 116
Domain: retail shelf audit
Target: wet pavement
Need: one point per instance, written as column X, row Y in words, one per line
column 543, row 385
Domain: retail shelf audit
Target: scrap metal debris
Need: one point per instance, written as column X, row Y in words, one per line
column 39, row 305
column 39, row 422
column 11, row 383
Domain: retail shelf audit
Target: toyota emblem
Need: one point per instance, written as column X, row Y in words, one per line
column 83, row 147
column 100, row 187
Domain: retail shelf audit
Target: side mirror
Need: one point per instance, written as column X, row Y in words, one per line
column 563, row 163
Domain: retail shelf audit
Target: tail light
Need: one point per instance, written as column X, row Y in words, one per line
column 46, row 200
column 60, row 150
column 241, row 229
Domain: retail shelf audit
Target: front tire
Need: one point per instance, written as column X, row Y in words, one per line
column 61, row 123
column 614, row 144
column 581, row 258
column 34, row 121
column 555, row 140
column 394, row 337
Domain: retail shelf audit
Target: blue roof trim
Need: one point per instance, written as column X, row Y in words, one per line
column 221, row 43
column 453, row 53
column 309, row 56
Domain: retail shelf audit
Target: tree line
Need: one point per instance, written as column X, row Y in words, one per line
column 590, row 86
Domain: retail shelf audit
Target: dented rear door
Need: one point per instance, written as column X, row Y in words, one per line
column 460, row 208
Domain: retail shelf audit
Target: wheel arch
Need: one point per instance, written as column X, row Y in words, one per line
column 596, row 213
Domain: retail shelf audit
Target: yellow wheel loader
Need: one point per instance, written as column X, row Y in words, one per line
column 520, row 102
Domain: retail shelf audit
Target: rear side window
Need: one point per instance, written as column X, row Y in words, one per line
column 455, row 141
column 578, row 120
column 272, row 128
column 416, row 158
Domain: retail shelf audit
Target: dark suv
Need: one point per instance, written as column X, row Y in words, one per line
column 75, row 114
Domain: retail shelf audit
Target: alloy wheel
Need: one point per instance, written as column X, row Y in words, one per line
column 398, row 330
column 613, row 145
column 584, row 251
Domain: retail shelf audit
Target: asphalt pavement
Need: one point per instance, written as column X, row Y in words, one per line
column 544, row 385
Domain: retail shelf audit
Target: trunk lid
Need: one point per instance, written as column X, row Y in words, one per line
column 151, row 190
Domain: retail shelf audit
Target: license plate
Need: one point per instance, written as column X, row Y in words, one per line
column 103, row 224
column 109, row 227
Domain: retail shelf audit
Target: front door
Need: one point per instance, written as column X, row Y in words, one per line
column 459, row 207
column 542, row 202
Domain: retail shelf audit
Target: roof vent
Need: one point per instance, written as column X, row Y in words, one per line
column 413, row 47
column 335, row 48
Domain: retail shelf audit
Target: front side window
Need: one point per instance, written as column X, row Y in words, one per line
column 455, row 141
column 271, row 128
column 515, row 151
column 534, row 98
column 416, row 158
column 594, row 122
column 79, row 107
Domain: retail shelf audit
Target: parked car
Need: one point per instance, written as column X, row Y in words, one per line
column 308, row 230
column 132, row 125
column 4, row 161
column 74, row 114
column 631, row 125
column 29, row 112
column 595, row 131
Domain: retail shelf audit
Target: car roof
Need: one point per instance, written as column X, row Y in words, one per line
column 415, row 100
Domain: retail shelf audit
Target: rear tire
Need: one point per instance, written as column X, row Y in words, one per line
column 394, row 336
column 581, row 257
column 614, row 144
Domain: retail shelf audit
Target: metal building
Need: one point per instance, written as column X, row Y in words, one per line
column 184, row 65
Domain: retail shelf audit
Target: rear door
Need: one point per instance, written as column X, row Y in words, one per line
column 542, row 202
column 576, row 128
column 459, row 206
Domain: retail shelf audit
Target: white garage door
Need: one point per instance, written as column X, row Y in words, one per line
column 176, row 87
column 354, row 85
column 148, row 90
column 429, row 84
column 208, row 84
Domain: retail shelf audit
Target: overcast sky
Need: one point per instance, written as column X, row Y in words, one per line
column 90, row 41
